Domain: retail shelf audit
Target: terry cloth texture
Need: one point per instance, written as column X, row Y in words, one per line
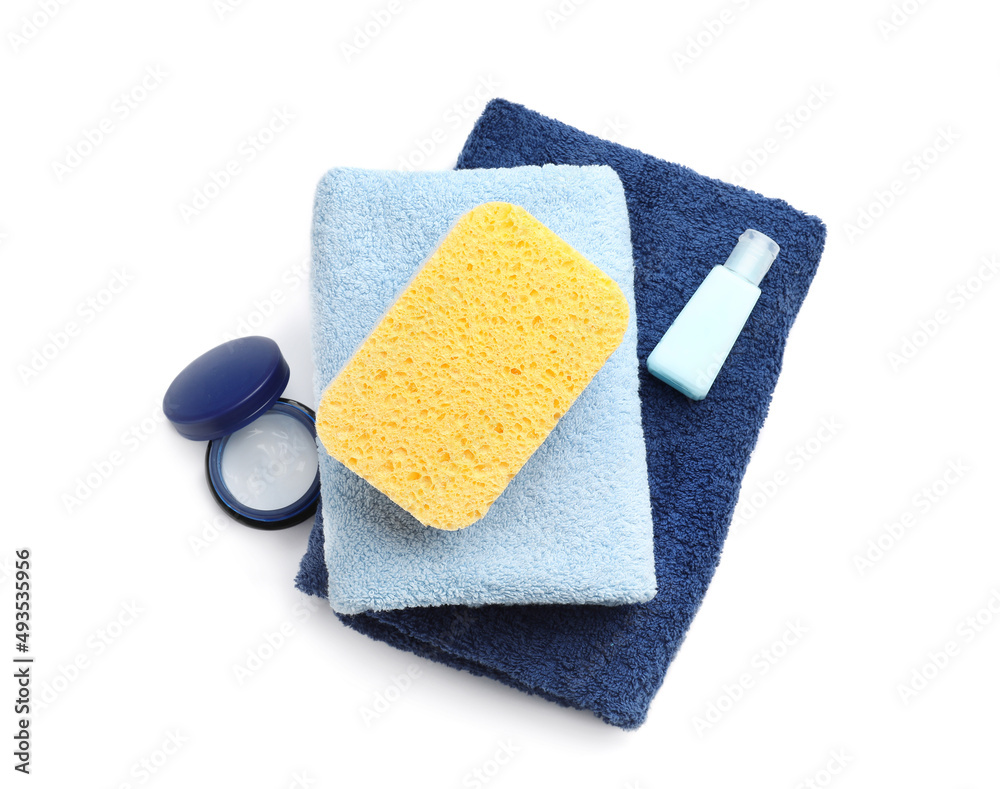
column 574, row 525
column 612, row 660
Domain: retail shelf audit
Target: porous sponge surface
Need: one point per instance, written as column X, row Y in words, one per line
column 472, row 367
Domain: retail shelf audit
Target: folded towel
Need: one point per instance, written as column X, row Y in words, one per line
column 574, row 525
column 613, row 660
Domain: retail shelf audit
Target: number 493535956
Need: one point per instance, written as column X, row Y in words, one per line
column 22, row 600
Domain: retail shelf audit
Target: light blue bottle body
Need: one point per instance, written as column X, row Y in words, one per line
column 698, row 342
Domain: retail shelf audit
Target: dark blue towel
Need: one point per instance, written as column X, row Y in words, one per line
column 613, row 660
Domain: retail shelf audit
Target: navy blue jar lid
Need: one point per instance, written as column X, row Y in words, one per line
column 226, row 388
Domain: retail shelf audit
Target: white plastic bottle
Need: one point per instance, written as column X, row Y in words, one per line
column 697, row 343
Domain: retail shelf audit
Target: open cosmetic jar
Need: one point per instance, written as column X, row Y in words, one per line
column 261, row 463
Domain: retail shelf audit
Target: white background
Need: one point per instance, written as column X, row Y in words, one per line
column 885, row 90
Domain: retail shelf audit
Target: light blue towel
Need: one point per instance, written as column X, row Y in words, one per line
column 574, row 525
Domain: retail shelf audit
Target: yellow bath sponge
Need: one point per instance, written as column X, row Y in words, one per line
column 471, row 368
